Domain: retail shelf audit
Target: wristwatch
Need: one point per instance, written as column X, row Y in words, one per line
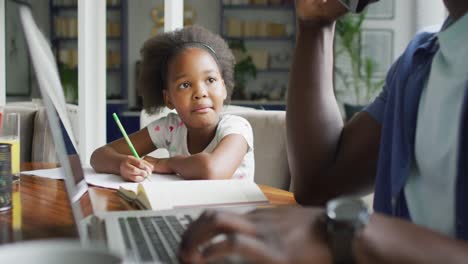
column 345, row 217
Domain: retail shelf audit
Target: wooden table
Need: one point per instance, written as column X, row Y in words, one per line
column 46, row 212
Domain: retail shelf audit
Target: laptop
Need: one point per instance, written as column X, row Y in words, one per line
column 137, row 236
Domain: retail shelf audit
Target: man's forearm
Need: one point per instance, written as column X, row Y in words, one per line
column 392, row 240
column 314, row 122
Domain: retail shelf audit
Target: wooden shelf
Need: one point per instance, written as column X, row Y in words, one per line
column 75, row 39
column 284, row 38
column 109, row 70
column 257, row 7
column 261, row 104
column 75, row 7
column 113, row 70
column 258, row 102
column 274, row 70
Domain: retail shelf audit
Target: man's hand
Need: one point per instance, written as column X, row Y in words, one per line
column 320, row 12
column 133, row 169
column 280, row 235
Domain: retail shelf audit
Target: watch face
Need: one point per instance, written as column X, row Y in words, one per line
column 346, row 208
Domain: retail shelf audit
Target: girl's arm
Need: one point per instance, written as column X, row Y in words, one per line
column 117, row 158
column 220, row 164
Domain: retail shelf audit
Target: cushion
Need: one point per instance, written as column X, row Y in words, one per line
column 43, row 149
column 271, row 160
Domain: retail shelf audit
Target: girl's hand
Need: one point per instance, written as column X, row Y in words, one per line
column 159, row 165
column 133, row 169
column 321, row 12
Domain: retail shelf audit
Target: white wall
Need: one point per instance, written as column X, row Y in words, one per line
column 410, row 17
column 402, row 25
column 2, row 53
column 19, row 75
column 173, row 15
column 429, row 12
column 91, row 76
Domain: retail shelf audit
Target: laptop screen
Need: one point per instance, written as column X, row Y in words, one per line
column 52, row 94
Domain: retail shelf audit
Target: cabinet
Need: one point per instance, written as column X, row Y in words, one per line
column 64, row 36
column 267, row 30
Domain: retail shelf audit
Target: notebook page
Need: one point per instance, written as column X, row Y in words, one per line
column 203, row 193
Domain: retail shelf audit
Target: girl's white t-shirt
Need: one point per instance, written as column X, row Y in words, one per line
column 170, row 133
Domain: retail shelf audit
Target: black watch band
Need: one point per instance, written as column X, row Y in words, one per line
column 345, row 217
column 341, row 243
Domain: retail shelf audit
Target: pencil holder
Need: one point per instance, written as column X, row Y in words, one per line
column 5, row 176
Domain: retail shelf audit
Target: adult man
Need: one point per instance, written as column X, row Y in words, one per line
column 409, row 142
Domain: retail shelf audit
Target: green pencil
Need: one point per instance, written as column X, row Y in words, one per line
column 130, row 145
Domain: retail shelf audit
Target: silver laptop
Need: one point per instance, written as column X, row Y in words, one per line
column 137, row 236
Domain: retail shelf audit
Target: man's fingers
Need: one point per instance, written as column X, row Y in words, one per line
column 267, row 214
column 319, row 11
column 209, row 225
column 248, row 247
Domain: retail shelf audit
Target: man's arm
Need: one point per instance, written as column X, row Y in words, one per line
column 392, row 240
column 326, row 158
column 297, row 235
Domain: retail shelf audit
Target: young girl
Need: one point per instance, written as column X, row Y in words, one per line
column 189, row 70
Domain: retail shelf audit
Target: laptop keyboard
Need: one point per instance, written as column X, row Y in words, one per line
column 154, row 238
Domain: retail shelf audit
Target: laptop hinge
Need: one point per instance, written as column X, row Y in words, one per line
column 96, row 228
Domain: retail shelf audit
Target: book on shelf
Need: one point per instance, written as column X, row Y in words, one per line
column 194, row 193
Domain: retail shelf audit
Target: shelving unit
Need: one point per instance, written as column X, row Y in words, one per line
column 117, row 43
column 64, row 33
column 267, row 28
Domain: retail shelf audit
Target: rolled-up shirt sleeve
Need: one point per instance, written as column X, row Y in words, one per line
column 377, row 108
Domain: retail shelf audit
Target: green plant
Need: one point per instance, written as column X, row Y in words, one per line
column 69, row 79
column 243, row 70
column 358, row 73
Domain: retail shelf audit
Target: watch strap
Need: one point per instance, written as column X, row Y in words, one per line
column 341, row 243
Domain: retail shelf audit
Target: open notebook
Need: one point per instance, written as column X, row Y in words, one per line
column 187, row 194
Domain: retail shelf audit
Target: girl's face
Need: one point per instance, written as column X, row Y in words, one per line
column 195, row 88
